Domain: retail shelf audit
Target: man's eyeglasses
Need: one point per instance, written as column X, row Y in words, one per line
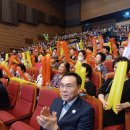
column 66, row 86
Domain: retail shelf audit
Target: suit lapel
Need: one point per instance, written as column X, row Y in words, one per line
column 59, row 108
column 72, row 110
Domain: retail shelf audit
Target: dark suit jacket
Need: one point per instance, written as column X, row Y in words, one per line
column 82, row 119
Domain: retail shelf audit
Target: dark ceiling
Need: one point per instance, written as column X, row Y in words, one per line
column 60, row 2
column 118, row 16
column 66, row 2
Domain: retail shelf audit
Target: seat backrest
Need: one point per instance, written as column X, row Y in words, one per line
column 114, row 127
column 111, row 75
column 128, row 75
column 13, row 92
column 27, row 99
column 96, row 79
column 109, row 64
column 97, row 105
column 127, row 119
column 46, row 98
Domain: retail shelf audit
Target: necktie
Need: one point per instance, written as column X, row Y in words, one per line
column 64, row 110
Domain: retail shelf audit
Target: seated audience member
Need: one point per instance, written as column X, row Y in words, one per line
column 98, row 45
column 69, row 112
column 89, row 49
column 38, row 64
column 4, row 98
column 89, row 52
column 39, row 80
column 54, row 62
column 106, row 50
column 82, row 56
column 72, row 54
column 1, row 58
column 63, row 68
column 121, row 50
column 89, row 85
column 54, row 52
column 12, row 69
column 109, row 117
column 20, row 57
column 23, row 69
column 12, row 64
column 100, row 58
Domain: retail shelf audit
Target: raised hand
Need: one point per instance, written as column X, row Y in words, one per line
column 46, row 120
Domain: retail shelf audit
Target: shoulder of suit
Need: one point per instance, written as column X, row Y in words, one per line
column 57, row 100
column 85, row 104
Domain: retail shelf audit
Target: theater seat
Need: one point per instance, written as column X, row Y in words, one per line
column 46, row 98
column 96, row 79
column 111, row 75
column 97, row 105
column 109, row 64
column 13, row 91
column 128, row 75
column 19, row 125
column 115, row 127
column 127, row 119
column 24, row 106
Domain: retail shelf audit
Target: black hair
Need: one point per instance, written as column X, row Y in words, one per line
column 22, row 67
column 103, row 56
column 67, row 65
column 90, row 48
column 73, row 48
column 88, row 69
column 77, row 77
column 107, row 48
column 1, row 73
column 121, row 58
column 84, row 53
column 121, row 47
column 54, row 49
column 54, row 57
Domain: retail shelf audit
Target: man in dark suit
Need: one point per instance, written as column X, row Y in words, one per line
column 69, row 112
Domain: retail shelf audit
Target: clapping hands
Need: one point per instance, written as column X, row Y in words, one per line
column 47, row 120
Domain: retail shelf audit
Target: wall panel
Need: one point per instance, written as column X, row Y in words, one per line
column 94, row 8
column 14, row 36
column 21, row 13
column 9, row 11
column 72, row 13
column 45, row 6
column 31, row 16
column 0, row 9
column 74, row 29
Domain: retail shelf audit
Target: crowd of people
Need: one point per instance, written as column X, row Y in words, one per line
column 92, row 52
